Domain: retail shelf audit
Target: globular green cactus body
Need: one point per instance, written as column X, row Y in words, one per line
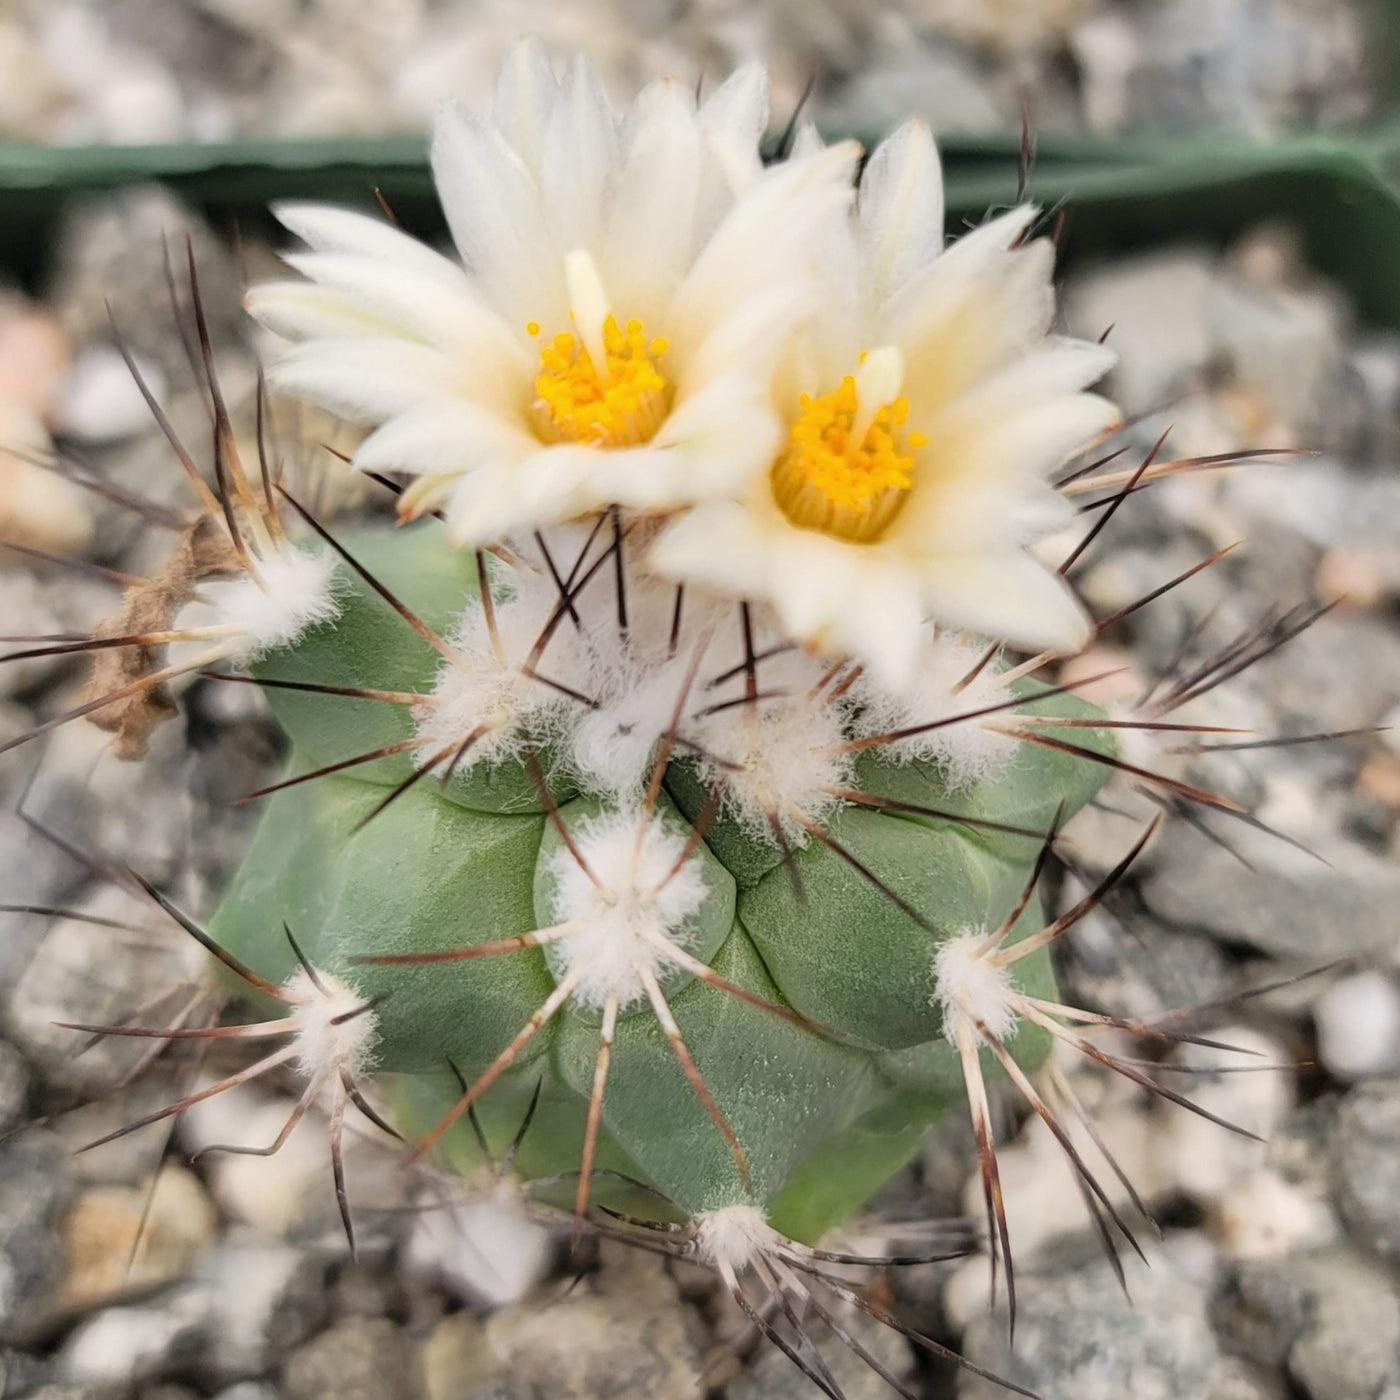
column 826, row 1104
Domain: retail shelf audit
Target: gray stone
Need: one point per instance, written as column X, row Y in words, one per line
column 123, row 1346
column 1358, row 1026
column 249, row 1390
column 68, row 1392
column 1142, row 969
column 30, row 610
column 36, row 1185
column 95, row 975
column 110, row 249
column 1253, row 66
column 14, row 1087
column 358, row 1359
column 1236, row 1380
column 1078, row 1335
column 263, row 1300
column 1158, row 305
column 1366, row 1164
column 772, row 1376
column 622, row 1332
column 1261, row 1309
column 939, row 84
column 1293, row 908
column 1351, row 1342
column 21, row 1373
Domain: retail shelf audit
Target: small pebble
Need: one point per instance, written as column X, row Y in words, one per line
column 101, row 400
column 1358, row 1026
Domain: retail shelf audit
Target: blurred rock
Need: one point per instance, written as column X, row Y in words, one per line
column 1078, row 1335
column 485, row 1249
column 96, row 975
column 1010, row 26
column 1253, row 1092
column 126, row 1240
column 904, row 76
column 101, row 400
column 118, row 1347
column 1263, row 1216
column 290, row 1195
column 14, row 1089
column 35, row 1187
column 112, row 249
column 1349, row 1345
column 1251, row 66
column 34, row 356
column 620, row 1331
column 456, row 1360
column 360, row 1359
column 261, row 1300
column 1293, row 907
column 1158, row 305
column 772, row 1376
column 1366, row 1163
column 1358, row 1026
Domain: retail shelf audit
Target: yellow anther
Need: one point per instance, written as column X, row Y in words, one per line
column 832, row 480
column 621, row 407
column 532, row 327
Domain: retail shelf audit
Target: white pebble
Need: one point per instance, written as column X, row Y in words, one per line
column 485, row 1249
column 1262, row 1216
column 1358, row 1026
column 101, row 402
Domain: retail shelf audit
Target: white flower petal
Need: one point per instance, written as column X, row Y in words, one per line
column 732, row 119
column 498, row 220
column 650, row 233
column 451, row 318
column 526, row 92
column 365, row 380
column 580, row 157
column 736, row 112
column 958, row 327
column 303, row 311
column 1008, row 596
column 748, row 340
column 985, row 486
column 718, row 544
column 901, row 209
column 330, row 230
column 727, row 433
column 446, row 435
column 764, row 241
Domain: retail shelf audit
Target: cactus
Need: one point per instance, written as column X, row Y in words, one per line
column 664, row 813
column 826, row 1018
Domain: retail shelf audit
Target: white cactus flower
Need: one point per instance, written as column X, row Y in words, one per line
column 625, row 290
column 925, row 405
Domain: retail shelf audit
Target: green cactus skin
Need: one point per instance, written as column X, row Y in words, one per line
column 825, row 1112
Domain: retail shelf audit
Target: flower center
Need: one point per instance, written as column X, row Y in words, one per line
column 847, row 469
column 604, row 385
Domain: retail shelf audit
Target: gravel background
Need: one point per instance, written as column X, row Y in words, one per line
column 1275, row 1271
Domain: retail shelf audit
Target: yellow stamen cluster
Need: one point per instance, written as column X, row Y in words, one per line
column 620, row 407
column 826, row 481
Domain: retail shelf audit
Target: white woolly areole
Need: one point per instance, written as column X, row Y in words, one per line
column 968, row 987
column 292, row 590
column 614, row 746
column 788, row 752
column 733, row 1235
column 481, row 690
column 625, row 908
column 323, row 1046
column 968, row 752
